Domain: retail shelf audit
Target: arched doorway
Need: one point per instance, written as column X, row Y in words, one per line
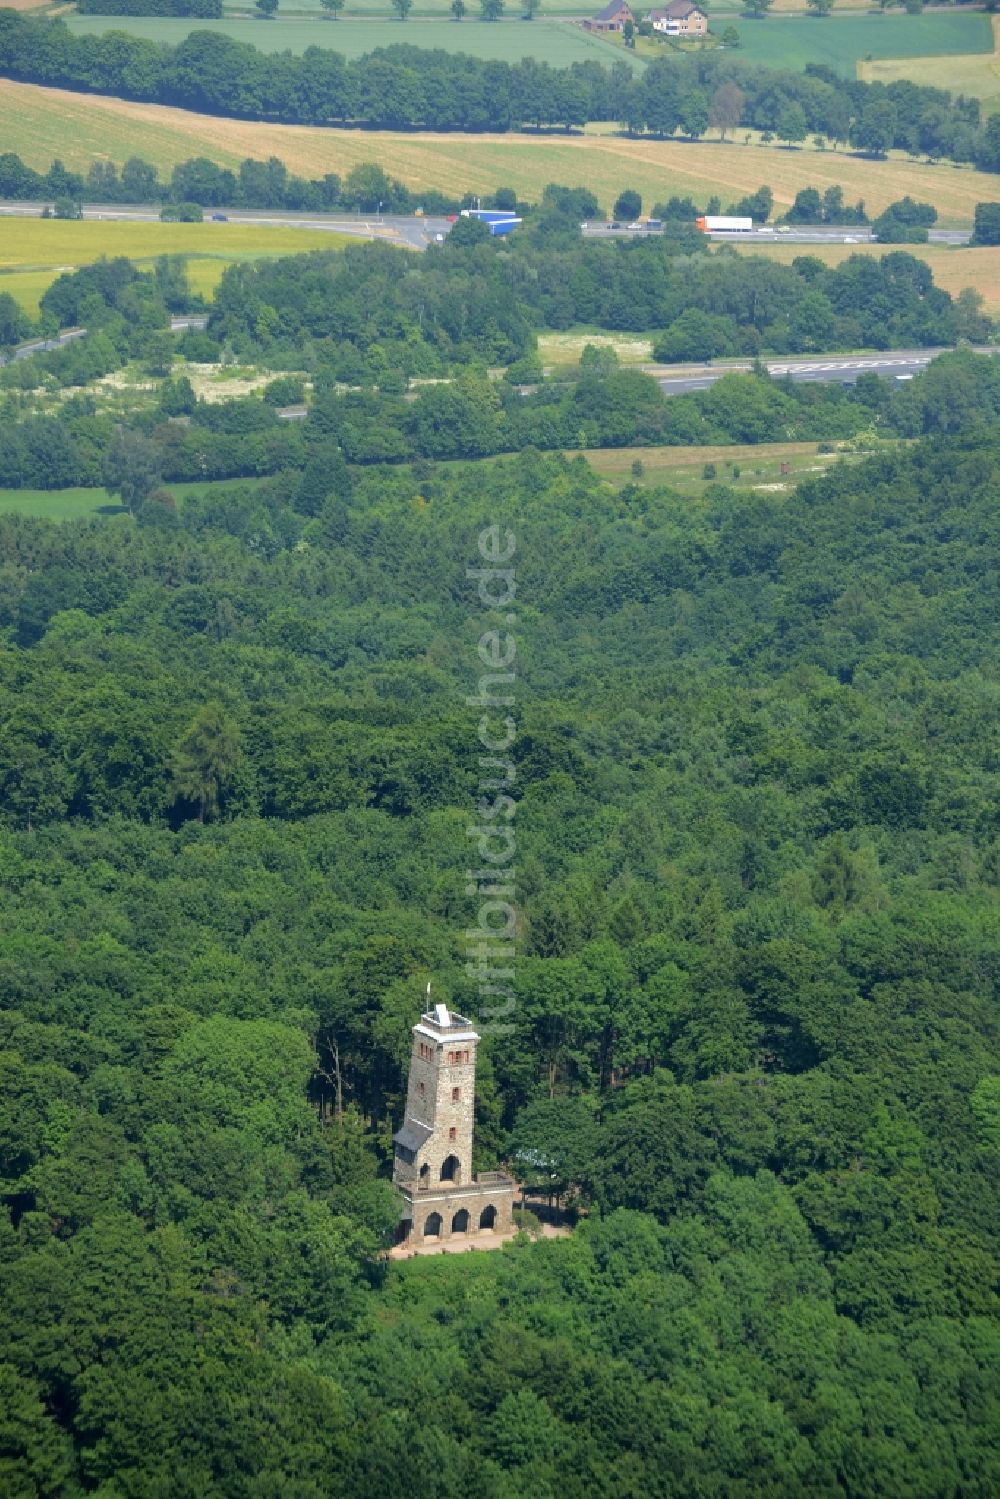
column 460, row 1222
column 432, row 1226
column 451, row 1170
column 488, row 1219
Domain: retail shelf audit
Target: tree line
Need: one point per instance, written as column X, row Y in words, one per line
column 254, row 184
column 403, row 87
column 202, row 10
column 719, row 90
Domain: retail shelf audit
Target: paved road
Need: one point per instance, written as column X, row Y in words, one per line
column 397, row 229
column 417, row 234
column 826, row 369
column 43, row 345
column 805, row 234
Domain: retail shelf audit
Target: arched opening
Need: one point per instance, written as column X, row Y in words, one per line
column 432, row 1227
column 460, row 1222
column 488, row 1219
column 425, row 1177
column 451, row 1170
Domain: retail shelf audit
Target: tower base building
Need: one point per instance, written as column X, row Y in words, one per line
column 433, row 1151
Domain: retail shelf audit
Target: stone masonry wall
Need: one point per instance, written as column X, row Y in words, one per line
column 473, row 1200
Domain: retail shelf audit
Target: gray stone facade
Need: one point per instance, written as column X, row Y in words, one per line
column 433, row 1151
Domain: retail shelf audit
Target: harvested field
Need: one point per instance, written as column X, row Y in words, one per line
column 683, row 469
column 562, row 350
column 40, row 123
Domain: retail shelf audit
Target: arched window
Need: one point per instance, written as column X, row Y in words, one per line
column 425, row 1177
column 451, row 1169
column 488, row 1218
column 432, row 1226
column 460, row 1222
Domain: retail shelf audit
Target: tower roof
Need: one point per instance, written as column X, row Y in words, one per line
column 442, row 1024
column 413, row 1134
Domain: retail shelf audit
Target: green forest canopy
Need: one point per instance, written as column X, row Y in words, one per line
column 756, row 1020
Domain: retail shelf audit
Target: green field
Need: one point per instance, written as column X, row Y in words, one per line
column 28, row 287
column 555, row 42
column 34, row 251
column 422, row 9
column 976, row 74
column 788, row 41
column 71, row 504
column 841, row 42
column 57, row 504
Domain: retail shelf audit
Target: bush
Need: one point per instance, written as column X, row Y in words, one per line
column 182, row 213
column 758, row 205
column 525, row 371
column 986, row 230
column 177, row 397
column 905, row 222
column 287, row 390
column 889, row 231
column 393, row 382
column 198, row 347
column 628, row 205
column 526, row 1222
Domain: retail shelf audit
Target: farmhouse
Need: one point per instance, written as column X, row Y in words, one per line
column 680, row 18
column 611, row 18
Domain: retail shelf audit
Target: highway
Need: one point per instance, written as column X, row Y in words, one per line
column 900, row 364
column 803, row 234
column 417, row 234
column 399, row 229
column 674, row 379
column 43, row 345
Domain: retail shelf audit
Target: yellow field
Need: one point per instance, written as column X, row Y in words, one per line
column 41, row 123
column 563, row 350
column 34, row 251
column 977, row 74
column 954, row 267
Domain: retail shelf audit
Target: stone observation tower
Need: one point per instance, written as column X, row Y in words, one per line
column 433, row 1159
